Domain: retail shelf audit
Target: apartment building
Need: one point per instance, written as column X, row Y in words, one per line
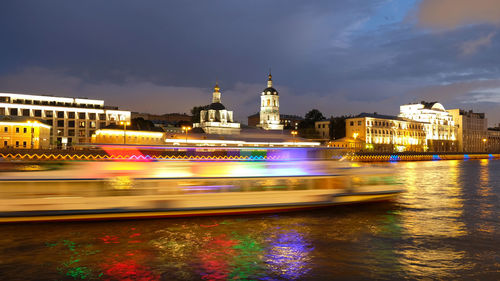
column 472, row 130
column 73, row 120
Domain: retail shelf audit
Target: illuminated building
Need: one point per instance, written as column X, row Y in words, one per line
column 439, row 126
column 348, row 144
column 117, row 136
column 492, row 143
column 23, row 132
column 322, row 128
column 472, row 129
column 73, row 120
column 217, row 119
column 269, row 118
column 386, row 133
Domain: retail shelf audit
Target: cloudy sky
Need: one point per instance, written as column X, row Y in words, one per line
column 342, row 57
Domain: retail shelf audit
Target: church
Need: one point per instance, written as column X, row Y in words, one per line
column 216, row 119
column 270, row 107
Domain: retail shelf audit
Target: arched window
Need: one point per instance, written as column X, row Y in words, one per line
column 268, row 102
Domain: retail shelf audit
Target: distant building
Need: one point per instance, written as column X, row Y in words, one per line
column 440, row 130
column 118, row 136
column 492, row 143
column 73, row 120
column 217, row 119
column 472, row 130
column 290, row 121
column 269, row 117
column 164, row 119
column 322, row 128
column 348, row 144
column 384, row 133
column 23, row 132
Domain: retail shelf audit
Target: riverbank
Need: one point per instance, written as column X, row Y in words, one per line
column 419, row 157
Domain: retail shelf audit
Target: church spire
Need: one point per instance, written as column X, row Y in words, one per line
column 216, row 93
column 269, row 79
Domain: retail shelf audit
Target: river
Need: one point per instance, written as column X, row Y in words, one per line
column 445, row 226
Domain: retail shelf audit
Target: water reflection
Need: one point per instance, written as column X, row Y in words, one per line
column 433, row 211
column 288, row 255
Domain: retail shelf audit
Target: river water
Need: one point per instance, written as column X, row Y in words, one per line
column 446, row 226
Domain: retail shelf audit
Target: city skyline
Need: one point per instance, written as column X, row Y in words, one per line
column 342, row 58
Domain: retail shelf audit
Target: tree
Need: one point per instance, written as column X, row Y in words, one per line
column 314, row 115
column 195, row 112
column 337, row 126
column 306, row 127
column 142, row 125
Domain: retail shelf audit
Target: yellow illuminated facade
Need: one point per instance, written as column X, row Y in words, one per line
column 18, row 132
column 116, row 136
column 387, row 133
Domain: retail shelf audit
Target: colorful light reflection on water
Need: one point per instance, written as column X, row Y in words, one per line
column 445, row 227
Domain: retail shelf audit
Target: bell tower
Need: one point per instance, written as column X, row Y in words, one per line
column 270, row 107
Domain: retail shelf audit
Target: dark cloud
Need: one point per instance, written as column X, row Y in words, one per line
column 164, row 56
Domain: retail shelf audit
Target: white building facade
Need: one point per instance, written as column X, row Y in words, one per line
column 441, row 132
column 73, row 120
column 270, row 107
column 216, row 119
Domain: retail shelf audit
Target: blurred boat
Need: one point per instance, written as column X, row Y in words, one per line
column 90, row 190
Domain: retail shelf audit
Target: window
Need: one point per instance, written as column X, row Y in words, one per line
column 60, row 114
column 13, row 111
column 5, row 143
column 352, row 123
column 71, row 132
column 25, row 130
column 359, row 123
column 60, row 123
column 71, row 124
column 24, row 144
column 38, row 113
column 82, row 124
column 5, row 129
column 92, row 116
column 81, row 115
column 26, row 112
column 102, row 116
column 49, row 113
column 17, row 130
column 17, row 143
column 71, row 115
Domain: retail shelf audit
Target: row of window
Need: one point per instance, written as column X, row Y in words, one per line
column 17, row 129
column 6, row 144
column 52, row 103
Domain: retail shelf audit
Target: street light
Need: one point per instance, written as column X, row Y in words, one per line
column 484, row 142
column 294, row 133
column 186, row 129
column 125, row 124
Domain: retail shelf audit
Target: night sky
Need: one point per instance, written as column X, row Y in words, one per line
column 341, row 57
